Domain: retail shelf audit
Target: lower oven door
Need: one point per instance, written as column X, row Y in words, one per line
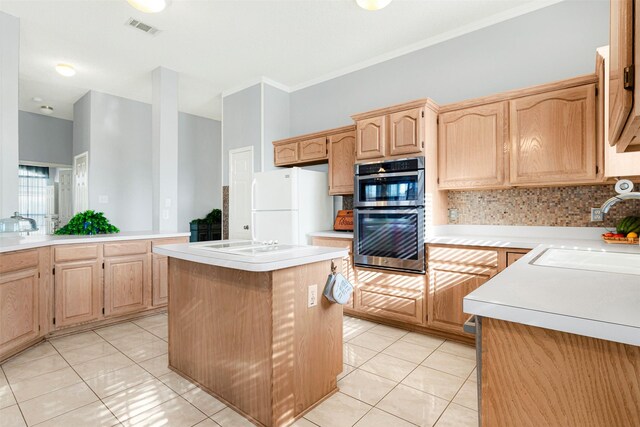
column 390, row 238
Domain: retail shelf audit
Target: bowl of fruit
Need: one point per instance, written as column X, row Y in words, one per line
column 626, row 233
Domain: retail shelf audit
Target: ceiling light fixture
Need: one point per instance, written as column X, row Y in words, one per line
column 66, row 70
column 149, row 6
column 45, row 109
column 373, row 4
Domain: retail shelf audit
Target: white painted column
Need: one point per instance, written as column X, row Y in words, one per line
column 164, row 146
column 9, row 64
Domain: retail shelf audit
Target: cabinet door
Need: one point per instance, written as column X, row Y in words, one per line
column 77, row 292
column 553, row 137
column 371, row 138
column 127, row 284
column 285, row 154
column 312, row 149
column 342, row 156
column 347, row 262
column 620, row 67
column 406, row 134
column 446, row 292
column 160, row 280
column 471, row 147
column 19, row 309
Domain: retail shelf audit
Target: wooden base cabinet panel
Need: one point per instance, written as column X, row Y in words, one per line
column 78, row 293
column 539, row 377
column 19, row 309
column 127, row 284
column 160, row 280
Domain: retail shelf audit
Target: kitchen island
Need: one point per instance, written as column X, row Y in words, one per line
column 242, row 325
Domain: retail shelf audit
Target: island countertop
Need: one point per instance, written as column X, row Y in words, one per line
column 288, row 256
column 597, row 304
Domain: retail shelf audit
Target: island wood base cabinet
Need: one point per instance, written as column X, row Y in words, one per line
column 68, row 287
column 250, row 339
column 532, row 376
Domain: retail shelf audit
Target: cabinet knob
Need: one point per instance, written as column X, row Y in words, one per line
column 246, row 227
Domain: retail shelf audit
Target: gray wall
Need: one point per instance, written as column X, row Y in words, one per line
column 550, row 44
column 120, row 160
column 81, row 125
column 242, row 126
column 45, row 139
column 199, row 163
column 275, row 120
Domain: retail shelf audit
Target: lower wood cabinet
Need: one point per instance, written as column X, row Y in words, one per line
column 347, row 263
column 160, row 280
column 78, row 292
column 19, row 309
column 127, row 284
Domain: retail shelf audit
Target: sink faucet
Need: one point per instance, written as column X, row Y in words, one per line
column 618, row 198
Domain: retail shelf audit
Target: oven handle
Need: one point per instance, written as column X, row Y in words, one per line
column 384, row 211
column 391, row 175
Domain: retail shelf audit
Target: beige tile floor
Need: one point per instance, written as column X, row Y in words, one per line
column 118, row 376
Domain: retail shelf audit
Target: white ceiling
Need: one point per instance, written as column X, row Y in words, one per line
column 216, row 45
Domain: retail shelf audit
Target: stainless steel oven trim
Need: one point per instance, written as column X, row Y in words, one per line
column 420, row 160
column 414, row 266
column 419, row 198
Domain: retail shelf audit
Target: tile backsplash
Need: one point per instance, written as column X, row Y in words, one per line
column 225, row 211
column 554, row 206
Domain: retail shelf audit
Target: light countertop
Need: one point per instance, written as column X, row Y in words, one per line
column 298, row 255
column 334, row 234
column 18, row 243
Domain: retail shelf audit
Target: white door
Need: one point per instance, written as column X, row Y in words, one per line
column 81, row 182
column 240, row 179
column 65, row 192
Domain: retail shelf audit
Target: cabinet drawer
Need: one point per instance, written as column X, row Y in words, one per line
column 334, row 242
column 14, row 261
column 406, row 307
column 170, row 241
column 127, row 248
column 75, row 253
column 313, row 149
column 472, row 257
column 513, row 257
column 285, row 154
column 398, row 281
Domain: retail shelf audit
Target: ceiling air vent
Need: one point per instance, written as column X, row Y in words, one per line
column 134, row 23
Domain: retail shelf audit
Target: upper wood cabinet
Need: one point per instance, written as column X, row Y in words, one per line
column 342, row 156
column 127, row 284
column 285, row 154
column 78, row 292
column 19, row 300
column 624, row 74
column 553, row 137
column 471, row 147
column 312, row 149
column 406, row 132
column 395, row 132
column 371, row 137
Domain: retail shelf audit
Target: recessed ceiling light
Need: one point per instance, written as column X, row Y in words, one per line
column 149, row 6
column 36, row 99
column 66, row 70
column 373, row 4
column 45, row 109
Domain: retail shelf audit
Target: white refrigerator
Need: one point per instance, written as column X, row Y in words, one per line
column 287, row 204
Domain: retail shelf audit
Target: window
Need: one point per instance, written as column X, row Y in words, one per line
column 35, row 195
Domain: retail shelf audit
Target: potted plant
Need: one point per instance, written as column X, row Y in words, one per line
column 207, row 228
column 88, row 223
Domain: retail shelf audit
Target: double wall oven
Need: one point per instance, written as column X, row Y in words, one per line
column 389, row 215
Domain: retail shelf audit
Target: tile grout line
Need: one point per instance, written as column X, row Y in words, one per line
column 14, row 396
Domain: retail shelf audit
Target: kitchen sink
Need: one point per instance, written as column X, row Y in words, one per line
column 580, row 259
column 248, row 248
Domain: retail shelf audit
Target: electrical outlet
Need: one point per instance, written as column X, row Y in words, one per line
column 597, row 215
column 313, row 296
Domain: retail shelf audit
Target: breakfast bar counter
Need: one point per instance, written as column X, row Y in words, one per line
column 244, row 325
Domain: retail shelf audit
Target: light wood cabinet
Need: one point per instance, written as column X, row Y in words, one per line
column 347, row 263
column 285, row 154
column 160, row 280
column 19, row 307
column 313, row 149
column 624, row 75
column 127, row 284
column 371, row 138
column 472, row 143
column 553, row 137
column 78, row 292
column 406, row 132
column 342, row 157
column 398, row 131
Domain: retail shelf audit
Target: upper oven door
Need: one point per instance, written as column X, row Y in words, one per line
column 390, row 189
column 390, row 238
